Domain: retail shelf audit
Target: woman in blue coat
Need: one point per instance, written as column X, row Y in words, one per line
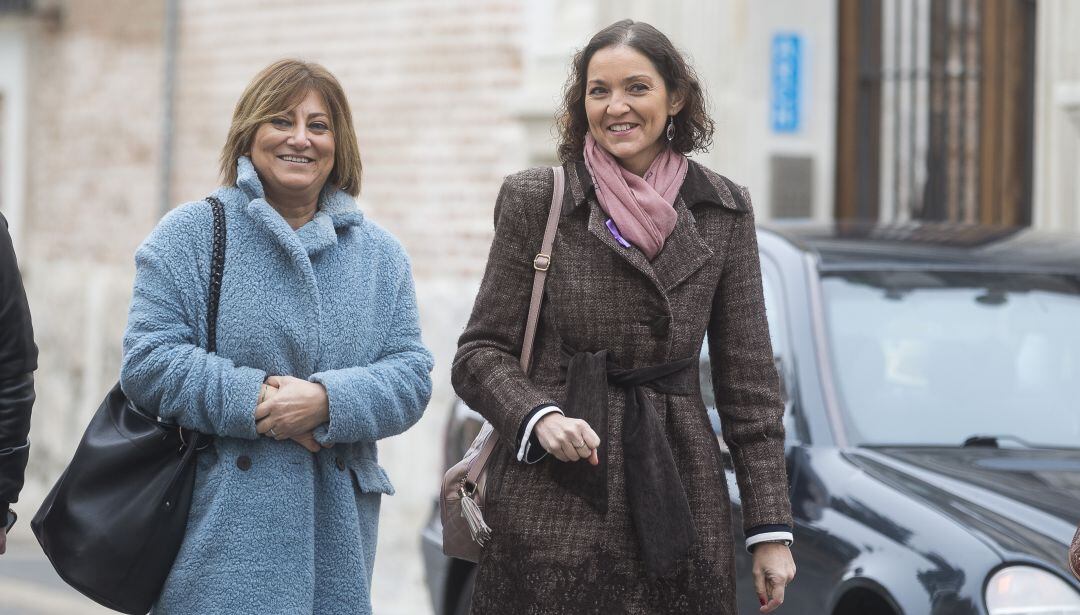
column 318, row 357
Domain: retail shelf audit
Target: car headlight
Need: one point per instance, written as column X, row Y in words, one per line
column 1026, row 590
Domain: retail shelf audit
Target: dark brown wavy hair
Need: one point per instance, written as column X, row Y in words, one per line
column 693, row 126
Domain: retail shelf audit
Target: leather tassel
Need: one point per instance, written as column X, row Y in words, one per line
column 475, row 518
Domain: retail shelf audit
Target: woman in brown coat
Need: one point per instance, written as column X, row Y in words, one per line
column 606, row 491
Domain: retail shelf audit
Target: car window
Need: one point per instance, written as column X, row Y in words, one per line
column 934, row 358
column 780, row 337
column 774, row 311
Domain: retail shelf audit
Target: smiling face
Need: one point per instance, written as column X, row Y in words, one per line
column 628, row 105
column 294, row 151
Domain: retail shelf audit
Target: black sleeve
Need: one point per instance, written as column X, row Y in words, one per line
column 18, row 354
column 16, row 399
column 18, row 360
column 525, row 423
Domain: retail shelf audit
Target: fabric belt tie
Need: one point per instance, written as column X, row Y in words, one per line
column 655, row 495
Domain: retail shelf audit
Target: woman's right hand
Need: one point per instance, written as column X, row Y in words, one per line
column 568, row 439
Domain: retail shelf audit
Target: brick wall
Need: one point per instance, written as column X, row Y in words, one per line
column 94, row 145
column 427, row 82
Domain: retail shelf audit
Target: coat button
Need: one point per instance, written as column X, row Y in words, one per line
column 243, row 462
column 340, row 463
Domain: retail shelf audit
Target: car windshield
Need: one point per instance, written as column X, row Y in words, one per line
column 932, row 358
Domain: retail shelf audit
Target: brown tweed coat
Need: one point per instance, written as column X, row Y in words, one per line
column 550, row 552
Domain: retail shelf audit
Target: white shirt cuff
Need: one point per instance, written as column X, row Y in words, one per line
column 785, row 537
column 523, row 450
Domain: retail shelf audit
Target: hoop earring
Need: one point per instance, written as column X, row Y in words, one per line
column 670, row 132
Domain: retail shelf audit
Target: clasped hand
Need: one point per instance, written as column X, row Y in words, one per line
column 292, row 408
column 568, row 439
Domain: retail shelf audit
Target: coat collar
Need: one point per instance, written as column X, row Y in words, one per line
column 337, row 210
column 684, row 250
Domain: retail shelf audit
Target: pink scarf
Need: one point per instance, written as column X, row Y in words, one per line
column 641, row 207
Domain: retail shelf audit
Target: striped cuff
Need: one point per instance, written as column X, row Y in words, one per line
column 525, row 452
column 769, row 533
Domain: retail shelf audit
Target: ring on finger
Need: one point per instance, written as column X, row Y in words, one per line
column 582, row 445
column 272, row 433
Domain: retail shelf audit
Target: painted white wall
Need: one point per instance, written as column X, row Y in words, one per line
column 13, row 148
column 815, row 22
column 1057, row 116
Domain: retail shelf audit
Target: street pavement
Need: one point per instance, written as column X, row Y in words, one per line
column 29, row 586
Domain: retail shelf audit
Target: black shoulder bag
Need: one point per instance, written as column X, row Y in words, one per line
column 113, row 523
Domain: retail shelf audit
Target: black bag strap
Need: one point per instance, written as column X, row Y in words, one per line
column 217, row 271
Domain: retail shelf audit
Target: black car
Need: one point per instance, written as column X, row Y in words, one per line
column 931, row 375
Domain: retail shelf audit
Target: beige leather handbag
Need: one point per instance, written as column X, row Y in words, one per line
column 462, row 503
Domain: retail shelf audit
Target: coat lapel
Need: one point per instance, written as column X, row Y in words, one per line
column 583, row 193
column 632, row 255
column 684, row 250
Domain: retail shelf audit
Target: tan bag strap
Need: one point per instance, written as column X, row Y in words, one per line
column 541, row 264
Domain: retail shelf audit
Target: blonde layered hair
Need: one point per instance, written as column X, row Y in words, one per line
column 277, row 89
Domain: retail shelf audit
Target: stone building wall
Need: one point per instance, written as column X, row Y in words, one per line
column 432, row 86
column 93, row 150
column 1057, row 116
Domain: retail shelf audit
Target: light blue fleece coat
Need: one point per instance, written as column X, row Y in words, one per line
column 274, row 528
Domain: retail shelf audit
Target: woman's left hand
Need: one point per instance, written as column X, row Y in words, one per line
column 773, row 571
column 296, row 409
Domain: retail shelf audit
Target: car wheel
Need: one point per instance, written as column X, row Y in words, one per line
column 464, row 600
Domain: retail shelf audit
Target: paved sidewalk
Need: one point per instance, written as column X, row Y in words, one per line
column 29, row 586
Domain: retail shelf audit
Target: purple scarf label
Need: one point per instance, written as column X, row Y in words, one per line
column 610, row 224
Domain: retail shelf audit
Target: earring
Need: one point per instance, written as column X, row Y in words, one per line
column 670, row 132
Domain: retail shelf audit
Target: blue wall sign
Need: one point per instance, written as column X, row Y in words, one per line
column 787, row 49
